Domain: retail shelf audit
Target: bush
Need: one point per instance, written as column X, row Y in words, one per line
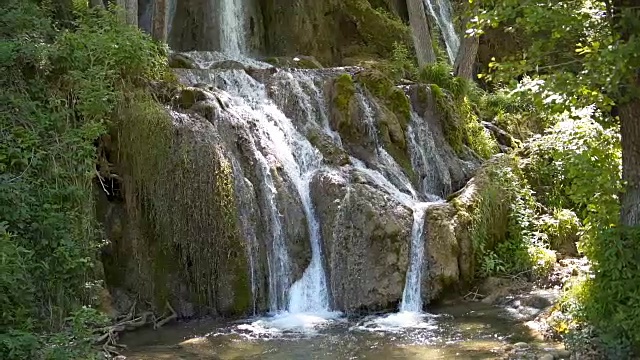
column 576, row 165
column 58, row 93
column 503, row 223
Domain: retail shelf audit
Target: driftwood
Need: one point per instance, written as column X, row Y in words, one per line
column 107, row 336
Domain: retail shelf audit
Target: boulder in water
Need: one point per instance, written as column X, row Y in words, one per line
column 366, row 241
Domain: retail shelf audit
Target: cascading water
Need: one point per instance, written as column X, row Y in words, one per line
column 299, row 160
column 441, row 11
column 433, row 171
column 278, row 262
column 412, row 296
column 232, row 40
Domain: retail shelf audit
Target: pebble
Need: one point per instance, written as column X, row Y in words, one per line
column 546, row 357
column 521, row 345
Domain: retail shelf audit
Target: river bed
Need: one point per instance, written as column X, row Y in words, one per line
column 459, row 331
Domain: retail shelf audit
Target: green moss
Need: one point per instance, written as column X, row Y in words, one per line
column 396, row 110
column 345, row 91
column 379, row 29
column 399, row 103
column 242, row 295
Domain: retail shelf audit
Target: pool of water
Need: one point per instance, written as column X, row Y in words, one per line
column 460, row 331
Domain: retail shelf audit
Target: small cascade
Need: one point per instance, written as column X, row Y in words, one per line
column 278, row 262
column 411, row 296
column 441, row 11
column 248, row 227
column 232, row 37
column 392, row 180
column 369, row 118
column 277, row 135
column 426, row 162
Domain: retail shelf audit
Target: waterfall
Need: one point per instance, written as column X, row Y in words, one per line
column 278, row 262
column 434, row 173
column 411, row 296
column 277, row 136
column 232, row 37
column 441, row 11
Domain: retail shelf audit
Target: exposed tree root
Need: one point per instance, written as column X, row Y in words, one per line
column 108, row 336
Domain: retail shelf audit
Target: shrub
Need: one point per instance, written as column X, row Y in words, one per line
column 58, row 93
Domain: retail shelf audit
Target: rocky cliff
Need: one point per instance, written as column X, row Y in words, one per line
column 251, row 153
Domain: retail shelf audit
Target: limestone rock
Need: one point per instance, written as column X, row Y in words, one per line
column 442, row 250
column 366, row 236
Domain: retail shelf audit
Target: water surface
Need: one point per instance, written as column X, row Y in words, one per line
column 461, row 331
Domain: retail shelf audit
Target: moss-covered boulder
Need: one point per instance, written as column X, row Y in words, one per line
column 174, row 231
column 482, row 214
column 346, row 117
column 332, row 153
column 180, row 61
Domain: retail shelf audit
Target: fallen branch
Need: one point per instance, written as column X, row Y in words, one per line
column 109, row 335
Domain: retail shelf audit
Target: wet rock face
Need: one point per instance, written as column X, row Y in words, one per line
column 366, row 236
column 442, row 250
column 223, row 123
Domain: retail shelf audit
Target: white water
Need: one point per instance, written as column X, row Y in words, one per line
column 232, row 37
column 425, row 159
column 412, row 294
column 299, row 160
column 248, row 228
column 441, row 11
column 278, row 263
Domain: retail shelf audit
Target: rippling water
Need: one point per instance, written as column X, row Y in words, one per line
column 469, row 331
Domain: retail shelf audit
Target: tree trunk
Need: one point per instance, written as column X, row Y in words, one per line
column 96, row 3
column 466, row 57
column 630, row 136
column 463, row 66
column 421, row 33
column 130, row 8
column 132, row 12
column 160, row 19
column 629, row 113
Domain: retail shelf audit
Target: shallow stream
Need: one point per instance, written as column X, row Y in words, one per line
column 459, row 331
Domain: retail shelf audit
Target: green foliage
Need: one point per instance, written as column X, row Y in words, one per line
column 403, row 64
column 441, row 74
column 513, row 111
column 576, row 165
column 581, row 54
column 57, row 95
column 561, row 228
column 380, row 29
column 462, row 125
column 503, row 222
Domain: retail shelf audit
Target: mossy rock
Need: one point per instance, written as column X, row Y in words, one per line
column 380, row 30
column 297, row 62
column 382, row 87
column 345, row 91
column 180, row 61
column 188, row 96
column 396, row 113
column 331, row 152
